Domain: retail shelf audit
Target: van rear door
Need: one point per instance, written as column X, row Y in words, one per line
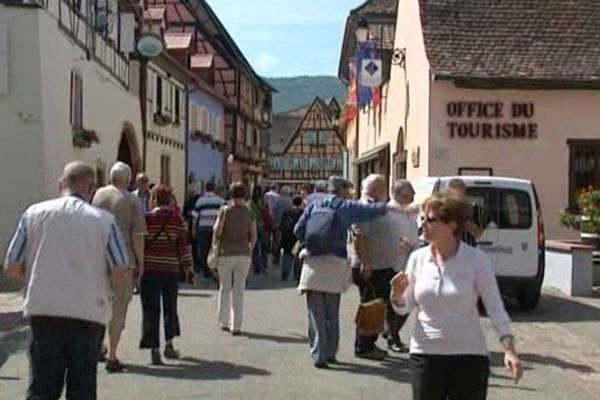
column 517, row 254
column 483, row 201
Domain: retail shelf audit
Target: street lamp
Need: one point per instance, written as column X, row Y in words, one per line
column 362, row 31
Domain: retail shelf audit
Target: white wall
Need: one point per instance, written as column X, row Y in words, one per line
column 21, row 152
column 559, row 115
column 107, row 105
column 405, row 98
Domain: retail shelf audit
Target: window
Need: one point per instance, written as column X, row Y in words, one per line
column 505, row 208
column 76, row 100
column 584, row 167
column 159, row 93
column 165, row 170
column 177, row 108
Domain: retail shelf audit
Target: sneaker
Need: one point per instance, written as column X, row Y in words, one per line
column 225, row 328
column 332, row 361
column 236, row 332
column 156, row 360
column 376, row 354
column 170, row 352
column 397, row 346
column 113, row 366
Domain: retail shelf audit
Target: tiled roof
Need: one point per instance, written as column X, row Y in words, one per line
column 545, row 40
column 284, row 127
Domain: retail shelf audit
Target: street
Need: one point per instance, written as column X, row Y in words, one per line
column 559, row 343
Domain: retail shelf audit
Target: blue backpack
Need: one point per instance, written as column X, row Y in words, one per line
column 319, row 225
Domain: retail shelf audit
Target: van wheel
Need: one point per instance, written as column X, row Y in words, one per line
column 528, row 299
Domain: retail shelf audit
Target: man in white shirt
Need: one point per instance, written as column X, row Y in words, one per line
column 204, row 215
column 66, row 250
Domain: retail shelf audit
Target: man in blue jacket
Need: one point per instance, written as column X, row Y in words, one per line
column 326, row 274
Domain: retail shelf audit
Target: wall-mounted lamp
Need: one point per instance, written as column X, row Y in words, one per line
column 362, row 31
column 230, row 159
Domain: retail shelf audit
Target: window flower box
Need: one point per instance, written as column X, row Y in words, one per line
column 161, row 119
column 84, row 138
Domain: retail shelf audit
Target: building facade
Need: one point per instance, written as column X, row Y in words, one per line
column 166, row 125
column 66, row 93
column 315, row 149
column 494, row 92
column 224, row 75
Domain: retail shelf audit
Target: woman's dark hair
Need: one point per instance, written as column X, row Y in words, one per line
column 257, row 194
column 237, row 190
column 162, row 195
column 448, row 209
column 297, row 201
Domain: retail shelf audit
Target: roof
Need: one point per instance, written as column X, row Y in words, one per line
column 283, row 128
column 232, row 45
column 520, row 40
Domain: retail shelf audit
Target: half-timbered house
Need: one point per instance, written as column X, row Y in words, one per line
column 315, row 149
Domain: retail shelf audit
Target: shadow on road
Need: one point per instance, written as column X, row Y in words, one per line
column 194, row 294
column 191, row 368
column 277, row 339
column 555, row 309
column 396, row 369
column 13, row 342
column 9, row 378
column 497, row 360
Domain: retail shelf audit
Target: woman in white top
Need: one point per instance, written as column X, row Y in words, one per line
column 448, row 352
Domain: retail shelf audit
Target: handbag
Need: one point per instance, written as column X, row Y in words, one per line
column 370, row 316
column 215, row 250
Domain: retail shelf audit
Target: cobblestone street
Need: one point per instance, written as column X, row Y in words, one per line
column 559, row 343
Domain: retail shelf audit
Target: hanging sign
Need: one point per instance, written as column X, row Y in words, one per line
column 371, row 72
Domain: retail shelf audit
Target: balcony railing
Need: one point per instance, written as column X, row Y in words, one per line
column 97, row 47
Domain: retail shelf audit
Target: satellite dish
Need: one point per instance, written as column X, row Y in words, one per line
column 150, row 45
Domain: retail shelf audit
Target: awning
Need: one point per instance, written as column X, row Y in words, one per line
column 372, row 154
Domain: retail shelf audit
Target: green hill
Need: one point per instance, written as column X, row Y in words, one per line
column 299, row 91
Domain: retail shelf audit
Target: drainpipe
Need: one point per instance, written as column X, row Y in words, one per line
column 144, row 109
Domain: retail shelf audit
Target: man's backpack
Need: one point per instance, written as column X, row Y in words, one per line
column 319, row 226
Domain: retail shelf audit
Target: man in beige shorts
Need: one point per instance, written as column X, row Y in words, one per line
column 129, row 214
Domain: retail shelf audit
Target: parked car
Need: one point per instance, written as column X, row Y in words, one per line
column 509, row 213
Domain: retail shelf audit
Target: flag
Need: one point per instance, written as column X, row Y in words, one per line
column 365, row 53
column 376, row 97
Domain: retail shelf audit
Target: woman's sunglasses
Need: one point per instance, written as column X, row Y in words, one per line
column 429, row 220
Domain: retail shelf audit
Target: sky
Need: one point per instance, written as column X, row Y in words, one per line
column 282, row 38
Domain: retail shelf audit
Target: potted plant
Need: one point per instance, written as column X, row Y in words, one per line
column 84, row 137
column 587, row 219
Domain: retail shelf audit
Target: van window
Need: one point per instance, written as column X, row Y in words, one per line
column 483, row 202
column 505, row 208
column 515, row 209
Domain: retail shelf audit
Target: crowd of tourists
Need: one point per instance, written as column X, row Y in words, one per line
column 83, row 254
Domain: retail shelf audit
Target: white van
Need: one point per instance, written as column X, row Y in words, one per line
column 513, row 237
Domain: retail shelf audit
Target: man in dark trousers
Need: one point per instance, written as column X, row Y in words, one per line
column 204, row 215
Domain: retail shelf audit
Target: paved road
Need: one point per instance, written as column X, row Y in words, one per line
column 560, row 344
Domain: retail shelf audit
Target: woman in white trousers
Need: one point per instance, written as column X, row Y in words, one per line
column 235, row 231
